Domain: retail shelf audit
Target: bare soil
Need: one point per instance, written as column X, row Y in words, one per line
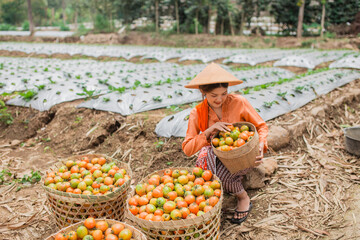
column 201, row 40
column 314, row 193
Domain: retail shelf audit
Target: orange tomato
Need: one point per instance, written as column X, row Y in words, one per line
column 157, row 192
column 101, row 161
column 213, row 200
column 207, row 175
column 189, row 199
column 216, row 142
column 77, row 191
column 244, row 136
column 60, row 236
column 97, row 234
column 134, row 209
column 169, row 206
column 181, row 204
column 74, row 169
column 102, row 225
column 108, row 181
column 172, row 195
column 185, row 212
column 157, row 218
column 143, row 215
column 125, row 234
column 194, row 208
column 200, row 199
column 111, row 237
column 199, row 181
column 117, row 228
column 90, row 223
column 154, row 181
column 207, row 208
column 158, row 212
column 149, row 217
column 143, row 201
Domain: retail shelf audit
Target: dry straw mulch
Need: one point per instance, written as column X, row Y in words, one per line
column 309, row 197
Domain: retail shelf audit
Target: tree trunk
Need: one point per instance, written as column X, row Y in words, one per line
column 52, row 15
column 63, row 11
column 31, row 22
column 76, row 19
column 222, row 27
column 231, row 24
column 300, row 19
column 322, row 21
column 46, row 15
column 157, row 15
column 196, row 21
column 242, row 22
column 177, row 16
column 209, row 19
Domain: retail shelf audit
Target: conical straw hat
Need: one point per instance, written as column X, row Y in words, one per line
column 213, row 73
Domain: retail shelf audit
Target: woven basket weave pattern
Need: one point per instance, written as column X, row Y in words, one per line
column 205, row 227
column 137, row 235
column 242, row 157
column 69, row 208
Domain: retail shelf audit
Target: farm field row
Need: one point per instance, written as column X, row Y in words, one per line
column 305, row 58
column 124, row 87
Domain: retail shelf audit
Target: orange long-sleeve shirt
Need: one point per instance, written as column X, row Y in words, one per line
column 235, row 109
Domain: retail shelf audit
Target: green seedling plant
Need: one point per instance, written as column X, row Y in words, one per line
column 7, row 178
column 88, row 93
column 159, row 144
column 114, row 89
column 146, row 85
column 4, row 175
column 158, row 83
column 175, row 108
column 40, row 87
column 282, row 95
column 269, row 104
column 28, row 95
column 105, row 81
column 78, row 119
column 51, row 81
column 157, row 99
column 299, row 89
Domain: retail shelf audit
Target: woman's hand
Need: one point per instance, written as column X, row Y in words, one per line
column 219, row 126
column 258, row 158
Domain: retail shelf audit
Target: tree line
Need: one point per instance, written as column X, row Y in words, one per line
column 192, row 16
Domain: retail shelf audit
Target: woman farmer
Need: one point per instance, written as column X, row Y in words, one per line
column 217, row 111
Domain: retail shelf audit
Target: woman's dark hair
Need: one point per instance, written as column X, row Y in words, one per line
column 209, row 87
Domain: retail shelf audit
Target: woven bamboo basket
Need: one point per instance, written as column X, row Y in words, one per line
column 137, row 234
column 242, row 157
column 204, row 227
column 69, row 208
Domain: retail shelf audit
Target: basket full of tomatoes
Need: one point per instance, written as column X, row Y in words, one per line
column 237, row 149
column 87, row 185
column 98, row 229
column 177, row 203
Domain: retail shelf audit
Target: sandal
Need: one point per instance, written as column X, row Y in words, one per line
column 240, row 220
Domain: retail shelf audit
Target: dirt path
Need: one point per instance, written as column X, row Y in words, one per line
column 314, row 194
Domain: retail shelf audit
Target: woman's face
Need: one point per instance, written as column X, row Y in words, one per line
column 216, row 97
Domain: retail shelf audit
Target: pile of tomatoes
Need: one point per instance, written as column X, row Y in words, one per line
column 227, row 141
column 93, row 229
column 178, row 194
column 95, row 177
